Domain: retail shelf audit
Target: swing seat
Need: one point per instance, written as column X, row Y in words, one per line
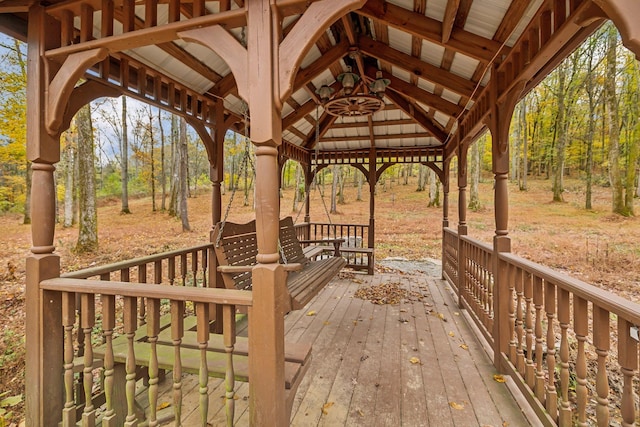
column 236, row 249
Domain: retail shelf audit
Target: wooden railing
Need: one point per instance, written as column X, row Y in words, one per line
column 356, row 237
column 450, row 256
column 105, row 342
column 571, row 348
column 113, row 348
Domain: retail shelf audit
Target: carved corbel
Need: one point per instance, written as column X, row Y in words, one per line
column 306, row 31
column 63, row 83
column 624, row 14
column 228, row 48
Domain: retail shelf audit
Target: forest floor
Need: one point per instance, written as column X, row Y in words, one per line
column 594, row 246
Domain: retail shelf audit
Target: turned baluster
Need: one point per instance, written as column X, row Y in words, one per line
column 153, row 329
column 125, row 275
column 205, row 263
column 519, row 321
column 177, row 332
column 129, row 319
column 511, row 278
column 202, row 314
column 108, row 323
column 229, row 335
column 628, row 359
column 194, row 267
column 183, row 269
column 87, row 321
column 171, row 270
column 550, row 308
column 564, row 317
column 157, row 272
column 581, row 325
column 68, row 321
column 142, row 278
column 538, row 299
column 602, row 344
column 530, row 338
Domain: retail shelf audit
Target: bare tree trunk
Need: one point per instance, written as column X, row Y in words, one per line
column 69, row 188
column 561, row 142
column 434, row 194
column 183, row 155
column 525, row 144
column 152, row 164
column 124, row 155
column 88, row 224
column 163, row 172
column 341, row 185
column 474, row 175
column 422, row 177
column 298, row 195
column 334, row 190
column 358, row 175
column 615, row 176
column 173, row 192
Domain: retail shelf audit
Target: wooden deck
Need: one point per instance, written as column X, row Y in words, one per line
column 416, row 363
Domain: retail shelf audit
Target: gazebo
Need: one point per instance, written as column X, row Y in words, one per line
column 364, row 83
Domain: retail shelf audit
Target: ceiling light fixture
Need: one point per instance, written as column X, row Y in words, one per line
column 350, row 104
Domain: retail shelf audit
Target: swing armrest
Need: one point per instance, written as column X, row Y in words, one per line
column 336, row 243
column 230, row 269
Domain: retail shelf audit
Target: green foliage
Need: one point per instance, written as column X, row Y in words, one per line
column 5, row 403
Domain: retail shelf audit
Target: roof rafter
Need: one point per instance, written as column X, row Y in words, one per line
column 418, row 114
column 419, row 25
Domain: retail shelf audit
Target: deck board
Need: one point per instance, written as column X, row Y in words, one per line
column 361, row 372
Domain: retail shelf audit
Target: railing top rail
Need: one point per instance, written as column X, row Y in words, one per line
column 337, row 224
column 484, row 246
column 116, row 266
column 599, row 297
column 450, row 230
column 143, row 290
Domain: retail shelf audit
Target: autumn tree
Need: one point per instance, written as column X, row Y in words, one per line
column 474, row 167
column 15, row 182
column 88, row 219
column 182, row 174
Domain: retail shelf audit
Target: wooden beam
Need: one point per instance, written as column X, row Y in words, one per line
column 417, row 94
column 326, row 121
column 368, row 138
column 418, row 115
column 316, row 68
column 430, row 29
column 151, row 36
column 449, row 19
column 415, row 66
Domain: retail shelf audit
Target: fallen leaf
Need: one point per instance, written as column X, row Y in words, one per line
column 451, row 334
column 464, row 347
column 498, row 378
column 360, row 412
column 457, row 406
column 416, row 361
column 311, row 313
column 456, row 314
column 163, row 405
column 326, row 407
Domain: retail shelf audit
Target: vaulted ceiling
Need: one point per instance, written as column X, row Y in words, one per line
column 437, row 54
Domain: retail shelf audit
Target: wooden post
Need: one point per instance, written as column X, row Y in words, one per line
column 216, row 174
column 499, row 122
column 462, row 218
column 373, row 180
column 44, row 386
column 445, row 208
column 308, row 179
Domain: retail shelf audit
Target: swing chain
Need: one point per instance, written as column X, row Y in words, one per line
column 246, row 161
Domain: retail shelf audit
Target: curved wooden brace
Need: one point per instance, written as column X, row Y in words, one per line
column 381, row 170
column 207, row 139
column 63, row 83
column 624, row 14
column 306, row 31
column 82, row 95
column 499, row 121
column 228, row 48
column 436, row 169
column 362, row 169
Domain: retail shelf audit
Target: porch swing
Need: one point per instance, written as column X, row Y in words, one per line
column 236, row 248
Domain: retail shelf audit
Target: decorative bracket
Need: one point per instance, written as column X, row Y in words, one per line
column 62, row 85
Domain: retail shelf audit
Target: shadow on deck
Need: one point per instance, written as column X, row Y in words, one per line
column 416, row 363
